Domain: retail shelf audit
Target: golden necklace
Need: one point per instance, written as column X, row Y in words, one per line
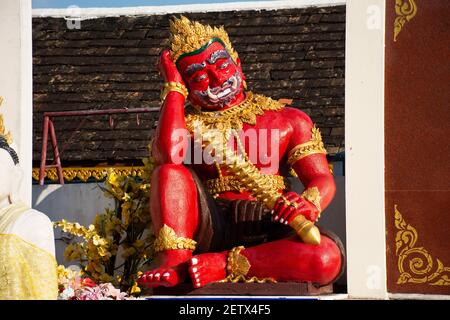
column 228, row 122
column 234, row 117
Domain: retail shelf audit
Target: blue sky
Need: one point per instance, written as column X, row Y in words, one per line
column 118, row 3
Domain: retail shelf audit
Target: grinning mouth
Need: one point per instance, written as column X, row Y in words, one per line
column 228, row 88
column 221, row 96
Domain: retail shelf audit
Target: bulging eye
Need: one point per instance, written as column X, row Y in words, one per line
column 200, row 78
column 224, row 65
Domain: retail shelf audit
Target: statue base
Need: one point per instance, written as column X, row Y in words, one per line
column 247, row 289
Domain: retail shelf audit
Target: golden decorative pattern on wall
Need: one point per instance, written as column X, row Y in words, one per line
column 415, row 264
column 405, row 11
column 84, row 174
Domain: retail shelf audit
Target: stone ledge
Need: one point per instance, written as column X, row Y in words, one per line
column 247, row 289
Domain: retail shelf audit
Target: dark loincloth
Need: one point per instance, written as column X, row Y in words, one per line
column 224, row 224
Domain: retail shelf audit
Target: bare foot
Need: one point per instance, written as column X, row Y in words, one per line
column 208, row 267
column 170, row 269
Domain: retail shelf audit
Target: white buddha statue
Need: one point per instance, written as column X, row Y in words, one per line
column 27, row 248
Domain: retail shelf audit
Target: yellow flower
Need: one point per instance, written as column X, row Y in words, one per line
column 72, row 252
column 109, row 227
column 73, row 228
column 101, row 239
column 103, row 252
column 126, row 213
column 61, row 271
column 135, row 288
column 98, row 221
column 126, row 197
column 97, row 240
column 104, row 277
column 138, row 243
column 113, row 179
column 144, row 186
column 128, row 252
column 63, row 274
column 94, row 266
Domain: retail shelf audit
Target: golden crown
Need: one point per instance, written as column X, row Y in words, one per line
column 187, row 36
column 3, row 133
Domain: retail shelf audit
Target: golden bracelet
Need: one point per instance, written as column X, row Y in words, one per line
column 313, row 195
column 173, row 86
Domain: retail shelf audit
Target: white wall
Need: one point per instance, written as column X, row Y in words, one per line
column 364, row 148
column 16, row 81
column 78, row 202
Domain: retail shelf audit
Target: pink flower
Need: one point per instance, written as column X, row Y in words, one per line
column 88, row 282
column 104, row 291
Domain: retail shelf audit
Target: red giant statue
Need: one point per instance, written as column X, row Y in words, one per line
column 233, row 218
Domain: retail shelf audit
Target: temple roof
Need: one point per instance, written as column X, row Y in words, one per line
column 110, row 63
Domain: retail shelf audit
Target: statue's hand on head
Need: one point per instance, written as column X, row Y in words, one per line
column 168, row 69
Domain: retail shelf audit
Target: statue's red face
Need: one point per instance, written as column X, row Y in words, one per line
column 214, row 80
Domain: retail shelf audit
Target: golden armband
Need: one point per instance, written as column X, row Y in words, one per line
column 237, row 264
column 315, row 145
column 173, row 86
column 313, row 195
column 168, row 240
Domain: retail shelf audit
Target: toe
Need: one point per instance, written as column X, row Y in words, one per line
column 145, row 279
column 165, row 276
column 169, row 278
column 197, row 283
column 193, row 262
column 195, row 276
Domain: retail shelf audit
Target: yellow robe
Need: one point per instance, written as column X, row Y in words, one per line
column 27, row 272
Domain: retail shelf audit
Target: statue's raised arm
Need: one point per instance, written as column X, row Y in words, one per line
column 169, row 145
